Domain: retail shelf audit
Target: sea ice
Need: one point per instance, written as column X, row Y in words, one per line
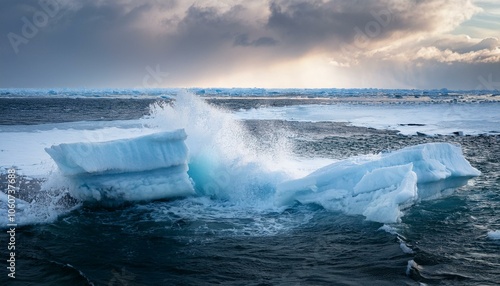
column 143, row 168
column 378, row 187
column 494, row 234
column 150, row 152
column 432, row 119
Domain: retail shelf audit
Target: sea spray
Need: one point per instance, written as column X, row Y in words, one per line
column 226, row 160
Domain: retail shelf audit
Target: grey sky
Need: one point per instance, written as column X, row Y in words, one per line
column 296, row 43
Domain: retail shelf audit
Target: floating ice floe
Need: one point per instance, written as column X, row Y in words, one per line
column 379, row 187
column 494, row 234
column 143, row 168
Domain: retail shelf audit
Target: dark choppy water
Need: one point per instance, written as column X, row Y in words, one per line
column 128, row 247
column 29, row 111
column 196, row 241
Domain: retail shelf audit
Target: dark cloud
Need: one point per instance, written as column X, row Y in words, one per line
column 108, row 43
column 79, row 46
column 361, row 25
column 305, row 24
column 243, row 40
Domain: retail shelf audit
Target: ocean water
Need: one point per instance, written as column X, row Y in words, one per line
column 235, row 235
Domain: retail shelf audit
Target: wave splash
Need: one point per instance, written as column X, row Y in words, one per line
column 225, row 160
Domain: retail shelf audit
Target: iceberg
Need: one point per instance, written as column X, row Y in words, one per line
column 379, row 187
column 143, row 168
column 158, row 150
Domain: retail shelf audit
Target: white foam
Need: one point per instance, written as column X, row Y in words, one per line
column 389, row 229
column 45, row 207
column 405, row 248
column 228, row 218
column 411, row 264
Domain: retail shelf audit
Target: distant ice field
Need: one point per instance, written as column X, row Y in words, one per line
column 430, row 119
column 243, row 92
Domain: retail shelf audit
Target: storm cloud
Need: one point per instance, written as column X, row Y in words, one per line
column 297, row 43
